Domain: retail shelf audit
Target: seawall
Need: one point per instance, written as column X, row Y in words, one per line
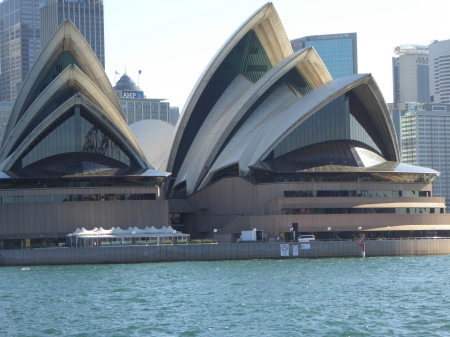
column 214, row 252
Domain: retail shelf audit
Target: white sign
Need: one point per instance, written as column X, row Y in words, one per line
column 294, row 250
column 306, row 246
column 284, row 249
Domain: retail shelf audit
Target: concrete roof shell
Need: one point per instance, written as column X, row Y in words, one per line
column 78, row 99
column 72, row 76
column 66, row 38
column 268, row 27
column 266, row 130
column 228, row 111
column 155, row 138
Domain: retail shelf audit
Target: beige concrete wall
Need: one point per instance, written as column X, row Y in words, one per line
column 271, row 196
column 234, row 204
column 275, row 224
column 57, row 219
column 213, row 252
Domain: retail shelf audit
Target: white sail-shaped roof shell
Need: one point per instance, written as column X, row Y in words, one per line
column 270, row 32
column 94, row 91
column 155, row 137
column 232, row 106
column 274, row 120
column 66, row 38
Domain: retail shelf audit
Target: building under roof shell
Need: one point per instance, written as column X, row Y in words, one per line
column 268, row 140
column 66, row 142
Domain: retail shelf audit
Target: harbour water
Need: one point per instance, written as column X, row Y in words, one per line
column 381, row 296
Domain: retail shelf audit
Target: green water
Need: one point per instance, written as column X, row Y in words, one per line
column 389, row 296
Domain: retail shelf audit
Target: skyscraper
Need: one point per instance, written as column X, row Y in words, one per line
column 411, row 74
column 439, row 71
column 398, row 110
column 87, row 15
column 19, row 44
column 337, row 51
column 425, row 139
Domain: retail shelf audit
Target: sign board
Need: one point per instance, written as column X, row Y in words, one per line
column 284, row 249
column 132, row 94
column 306, row 246
column 294, row 250
column 79, row 1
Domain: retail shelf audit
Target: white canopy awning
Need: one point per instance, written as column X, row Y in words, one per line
column 127, row 233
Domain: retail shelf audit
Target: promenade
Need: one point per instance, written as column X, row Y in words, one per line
column 215, row 252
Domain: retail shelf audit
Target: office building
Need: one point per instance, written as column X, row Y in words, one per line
column 398, row 110
column 87, row 16
column 425, row 140
column 5, row 111
column 411, row 74
column 439, row 71
column 136, row 106
column 19, row 44
column 338, row 51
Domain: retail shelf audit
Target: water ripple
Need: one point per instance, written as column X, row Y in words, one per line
column 387, row 296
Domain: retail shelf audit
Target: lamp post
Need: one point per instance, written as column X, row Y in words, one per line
column 389, row 232
column 329, row 230
column 133, row 242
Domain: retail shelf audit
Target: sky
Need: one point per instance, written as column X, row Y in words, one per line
column 172, row 41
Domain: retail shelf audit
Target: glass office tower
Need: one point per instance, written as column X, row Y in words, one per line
column 19, row 44
column 87, row 15
column 338, row 51
column 425, row 139
column 439, row 71
column 410, row 72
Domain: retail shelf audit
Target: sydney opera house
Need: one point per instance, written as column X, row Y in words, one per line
column 266, row 140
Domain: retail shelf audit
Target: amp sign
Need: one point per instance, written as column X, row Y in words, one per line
column 132, row 94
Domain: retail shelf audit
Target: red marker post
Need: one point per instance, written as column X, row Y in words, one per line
column 362, row 244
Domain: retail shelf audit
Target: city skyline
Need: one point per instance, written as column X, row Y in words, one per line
column 182, row 45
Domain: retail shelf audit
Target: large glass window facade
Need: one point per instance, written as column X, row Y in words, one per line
column 342, row 119
column 337, row 55
column 85, row 143
column 247, row 58
column 60, row 98
column 61, row 63
column 19, row 44
column 355, row 193
column 76, row 197
column 306, row 211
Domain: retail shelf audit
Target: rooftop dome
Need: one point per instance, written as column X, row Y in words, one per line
column 126, row 83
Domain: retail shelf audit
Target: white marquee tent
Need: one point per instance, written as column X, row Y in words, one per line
column 131, row 236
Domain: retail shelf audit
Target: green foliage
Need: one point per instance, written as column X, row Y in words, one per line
column 203, row 241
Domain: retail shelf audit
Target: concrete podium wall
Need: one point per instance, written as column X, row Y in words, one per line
column 213, row 252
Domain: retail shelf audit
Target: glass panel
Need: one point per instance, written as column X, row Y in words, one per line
column 83, row 143
column 63, row 61
column 247, row 58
